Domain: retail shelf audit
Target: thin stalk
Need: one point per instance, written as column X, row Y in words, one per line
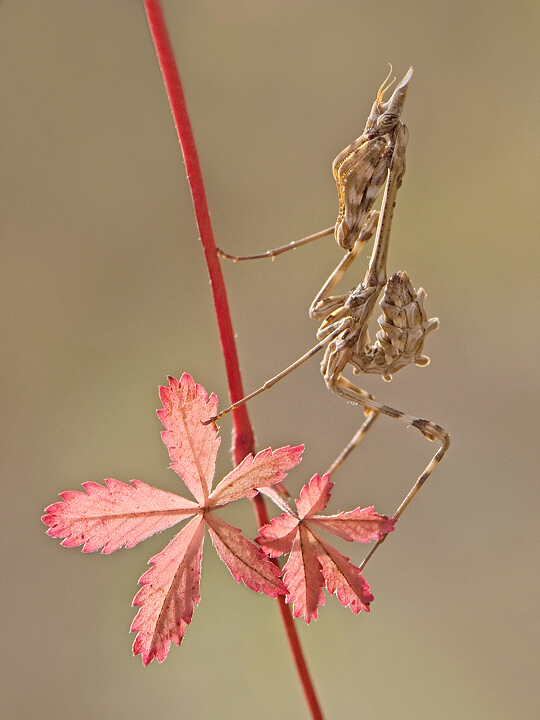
column 243, row 437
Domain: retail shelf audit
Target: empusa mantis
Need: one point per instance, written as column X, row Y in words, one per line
column 360, row 171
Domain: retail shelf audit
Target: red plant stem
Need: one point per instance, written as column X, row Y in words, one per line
column 243, row 438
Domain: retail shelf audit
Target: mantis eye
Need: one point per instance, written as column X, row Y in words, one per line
column 387, row 121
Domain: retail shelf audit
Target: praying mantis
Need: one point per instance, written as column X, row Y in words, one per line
column 373, row 161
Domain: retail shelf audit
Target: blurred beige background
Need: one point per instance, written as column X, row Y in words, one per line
column 105, row 293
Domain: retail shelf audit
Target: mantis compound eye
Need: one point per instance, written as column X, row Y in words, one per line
column 387, row 122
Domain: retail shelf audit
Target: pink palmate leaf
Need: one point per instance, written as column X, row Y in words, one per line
column 192, row 445
column 278, row 536
column 266, row 468
column 169, row 593
column 342, row 577
column 312, row 562
column 245, row 560
column 303, row 577
column 115, row 514
column 315, row 496
column 360, row 525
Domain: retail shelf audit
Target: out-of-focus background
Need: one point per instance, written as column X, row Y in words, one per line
column 105, row 293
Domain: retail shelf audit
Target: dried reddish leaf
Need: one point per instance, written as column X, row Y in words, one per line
column 169, row 593
column 315, row 496
column 114, row 515
column 192, row 445
column 312, row 562
column 342, row 577
column 303, row 577
column 266, row 468
column 245, row 560
column 360, row 525
column 278, row 536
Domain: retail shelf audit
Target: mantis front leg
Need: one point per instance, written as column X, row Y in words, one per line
column 324, row 303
